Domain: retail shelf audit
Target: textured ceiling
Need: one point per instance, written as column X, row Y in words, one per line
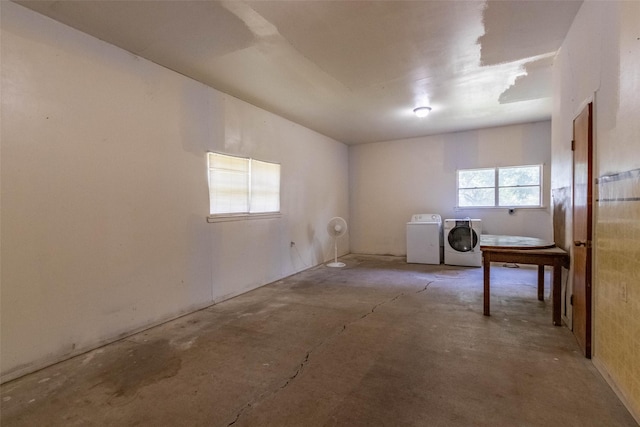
column 352, row 70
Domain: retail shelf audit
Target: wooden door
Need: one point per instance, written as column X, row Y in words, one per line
column 582, row 227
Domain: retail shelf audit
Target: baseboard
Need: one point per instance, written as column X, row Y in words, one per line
column 621, row 395
column 30, row 368
column 46, row 362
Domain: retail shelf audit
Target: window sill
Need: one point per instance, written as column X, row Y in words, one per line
column 242, row 217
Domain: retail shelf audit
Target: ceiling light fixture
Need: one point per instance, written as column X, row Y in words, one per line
column 422, row 111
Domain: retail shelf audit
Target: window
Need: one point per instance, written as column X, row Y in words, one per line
column 516, row 186
column 242, row 186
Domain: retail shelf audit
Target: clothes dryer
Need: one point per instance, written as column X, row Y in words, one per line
column 424, row 239
column 462, row 242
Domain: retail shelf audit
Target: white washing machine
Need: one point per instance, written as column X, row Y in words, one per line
column 462, row 242
column 424, row 239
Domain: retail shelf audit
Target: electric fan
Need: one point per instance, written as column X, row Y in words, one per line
column 336, row 227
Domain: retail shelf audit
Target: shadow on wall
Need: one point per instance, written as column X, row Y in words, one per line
column 561, row 208
column 315, row 249
column 461, row 150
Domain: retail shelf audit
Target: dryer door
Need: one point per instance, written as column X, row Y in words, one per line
column 462, row 238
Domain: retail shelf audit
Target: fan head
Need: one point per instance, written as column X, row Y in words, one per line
column 337, row 227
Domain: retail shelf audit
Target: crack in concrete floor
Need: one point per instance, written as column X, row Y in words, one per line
column 424, row 356
column 304, row 362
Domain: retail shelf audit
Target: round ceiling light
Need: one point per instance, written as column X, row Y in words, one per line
column 422, row 111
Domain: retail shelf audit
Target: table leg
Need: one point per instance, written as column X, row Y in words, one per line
column 556, row 284
column 541, row 283
column 487, row 275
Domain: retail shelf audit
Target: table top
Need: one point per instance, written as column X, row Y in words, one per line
column 495, row 241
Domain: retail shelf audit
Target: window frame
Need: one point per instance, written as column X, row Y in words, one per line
column 248, row 214
column 497, row 187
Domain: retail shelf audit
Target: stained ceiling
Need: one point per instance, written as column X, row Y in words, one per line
column 352, row 70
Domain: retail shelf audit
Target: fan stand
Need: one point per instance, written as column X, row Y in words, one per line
column 335, row 262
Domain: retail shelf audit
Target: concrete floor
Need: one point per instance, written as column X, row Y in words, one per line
column 377, row 343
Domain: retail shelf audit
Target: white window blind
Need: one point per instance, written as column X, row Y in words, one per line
column 265, row 187
column 242, row 186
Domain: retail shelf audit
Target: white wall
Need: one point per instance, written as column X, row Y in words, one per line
column 390, row 181
column 599, row 61
column 104, row 194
